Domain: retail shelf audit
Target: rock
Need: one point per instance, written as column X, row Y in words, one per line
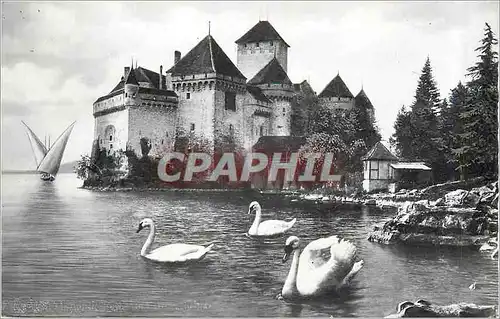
column 494, row 202
column 471, row 199
column 440, row 202
column 423, row 308
column 455, row 197
column 370, row 202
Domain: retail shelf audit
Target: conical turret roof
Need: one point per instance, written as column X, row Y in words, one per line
column 336, row 88
column 272, row 73
column 206, row 57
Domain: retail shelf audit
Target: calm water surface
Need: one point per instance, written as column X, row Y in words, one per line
column 73, row 252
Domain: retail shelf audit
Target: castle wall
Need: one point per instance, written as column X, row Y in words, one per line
column 158, row 124
column 199, row 110
column 336, row 103
column 227, row 121
column 251, row 59
column 281, row 117
column 114, row 125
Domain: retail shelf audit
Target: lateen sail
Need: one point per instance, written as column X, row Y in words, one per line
column 51, row 162
column 39, row 150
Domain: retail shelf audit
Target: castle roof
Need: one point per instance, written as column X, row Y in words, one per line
column 141, row 75
column 257, row 94
column 304, row 87
column 131, row 78
column 134, row 76
column 206, row 57
column 379, row 152
column 336, row 88
column 262, row 31
column 273, row 73
column 362, row 100
column 279, row 143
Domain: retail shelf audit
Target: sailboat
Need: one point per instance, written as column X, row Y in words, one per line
column 48, row 159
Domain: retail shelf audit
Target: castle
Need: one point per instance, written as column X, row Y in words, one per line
column 204, row 94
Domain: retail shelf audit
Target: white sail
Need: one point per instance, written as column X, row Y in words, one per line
column 51, row 162
column 39, row 150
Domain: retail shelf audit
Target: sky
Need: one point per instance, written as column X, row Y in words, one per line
column 59, row 57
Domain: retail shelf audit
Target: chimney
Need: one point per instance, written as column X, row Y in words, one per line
column 126, row 70
column 177, row 57
column 160, row 85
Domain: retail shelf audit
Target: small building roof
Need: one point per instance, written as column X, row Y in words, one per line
column 279, row 143
column 379, row 152
column 272, row 73
column 411, row 166
column 336, row 88
column 262, row 31
column 362, row 100
column 206, row 57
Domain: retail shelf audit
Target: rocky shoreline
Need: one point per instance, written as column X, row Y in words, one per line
column 423, row 308
column 459, row 218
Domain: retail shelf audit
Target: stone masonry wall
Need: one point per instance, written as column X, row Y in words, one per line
column 156, row 123
column 119, row 121
column 197, row 110
column 224, row 119
column 281, row 118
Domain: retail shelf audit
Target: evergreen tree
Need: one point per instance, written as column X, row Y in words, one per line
column 401, row 139
column 427, row 91
column 416, row 134
column 478, row 150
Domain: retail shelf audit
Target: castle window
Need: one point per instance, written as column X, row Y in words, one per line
column 110, row 138
column 284, row 111
column 110, row 146
column 188, row 96
column 161, row 142
column 261, row 130
column 231, row 129
column 245, row 45
column 271, row 43
column 192, row 127
column 257, row 44
column 230, row 101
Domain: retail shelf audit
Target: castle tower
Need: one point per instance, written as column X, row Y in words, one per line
column 276, row 86
column 210, row 90
column 362, row 101
column 258, row 46
column 131, row 88
column 336, row 95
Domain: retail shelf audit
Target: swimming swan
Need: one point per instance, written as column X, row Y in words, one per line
column 311, row 275
column 170, row 253
column 268, row 228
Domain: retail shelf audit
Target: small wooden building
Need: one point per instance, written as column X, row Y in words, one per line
column 377, row 163
column 409, row 175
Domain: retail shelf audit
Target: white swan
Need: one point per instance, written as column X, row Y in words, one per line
column 170, row 253
column 268, row 228
column 311, row 275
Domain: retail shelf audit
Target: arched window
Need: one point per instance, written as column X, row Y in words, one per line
column 110, row 133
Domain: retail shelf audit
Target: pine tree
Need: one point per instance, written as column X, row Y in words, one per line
column 401, row 139
column 478, row 150
column 427, row 91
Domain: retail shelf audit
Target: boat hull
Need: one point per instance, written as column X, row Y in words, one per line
column 47, row 177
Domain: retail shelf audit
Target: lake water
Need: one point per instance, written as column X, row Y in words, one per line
column 72, row 252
